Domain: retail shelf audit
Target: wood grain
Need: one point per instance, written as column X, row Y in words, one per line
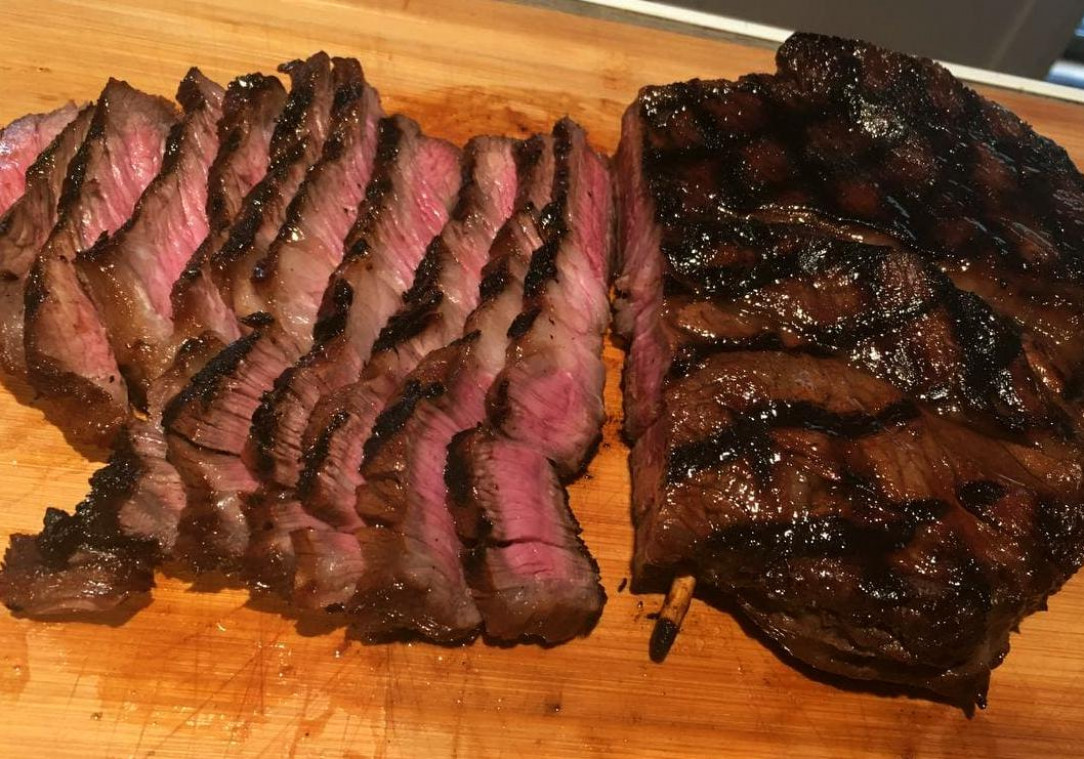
column 200, row 673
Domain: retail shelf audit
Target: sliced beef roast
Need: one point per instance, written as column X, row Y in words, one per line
column 843, row 287
column 129, row 275
column 411, row 573
column 432, row 313
column 21, row 142
column 531, row 575
column 105, row 551
column 68, row 354
column 209, row 420
column 251, row 109
column 24, row 228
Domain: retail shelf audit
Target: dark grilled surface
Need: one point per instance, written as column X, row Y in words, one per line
column 853, row 405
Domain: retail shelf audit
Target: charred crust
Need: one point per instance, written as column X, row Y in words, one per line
column 204, row 386
column 398, row 413
column 748, row 437
column 421, row 303
column 265, row 420
column 495, row 279
column 522, row 324
column 314, row 456
column 334, row 310
column 543, row 269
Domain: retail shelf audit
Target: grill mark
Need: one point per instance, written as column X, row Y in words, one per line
column 748, row 436
column 204, row 385
column 318, row 452
column 334, row 311
column 398, row 413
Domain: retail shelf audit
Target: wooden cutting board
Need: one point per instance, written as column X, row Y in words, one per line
column 200, row 672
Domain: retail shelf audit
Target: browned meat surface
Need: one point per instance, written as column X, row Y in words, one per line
column 68, row 354
column 845, row 288
column 25, row 226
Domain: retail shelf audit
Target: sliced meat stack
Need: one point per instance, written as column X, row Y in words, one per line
column 207, row 422
column 530, row 574
column 284, row 309
column 853, row 298
column 431, row 313
column 69, row 357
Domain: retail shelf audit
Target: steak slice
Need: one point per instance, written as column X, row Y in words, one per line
column 411, row 574
column 431, row 314
column 25, row 227
column 531, row 576
column 105, row 552
column 68, row 355
column 297, row 144
column 129, row 275
column 21, row 142
column 250, row 111
column 207, row 423
column 843, row 288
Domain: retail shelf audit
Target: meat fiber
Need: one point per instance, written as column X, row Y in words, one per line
column 530, row 574
column 24, row 228
column 129, row 275
column 68, row 355
column 21, row 142
column 843, row 287
column 208, row 421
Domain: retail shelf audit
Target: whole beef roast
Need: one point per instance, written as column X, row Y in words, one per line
column 845, row 288
column 21, row 142
column 25, row 226
column 68, row 354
